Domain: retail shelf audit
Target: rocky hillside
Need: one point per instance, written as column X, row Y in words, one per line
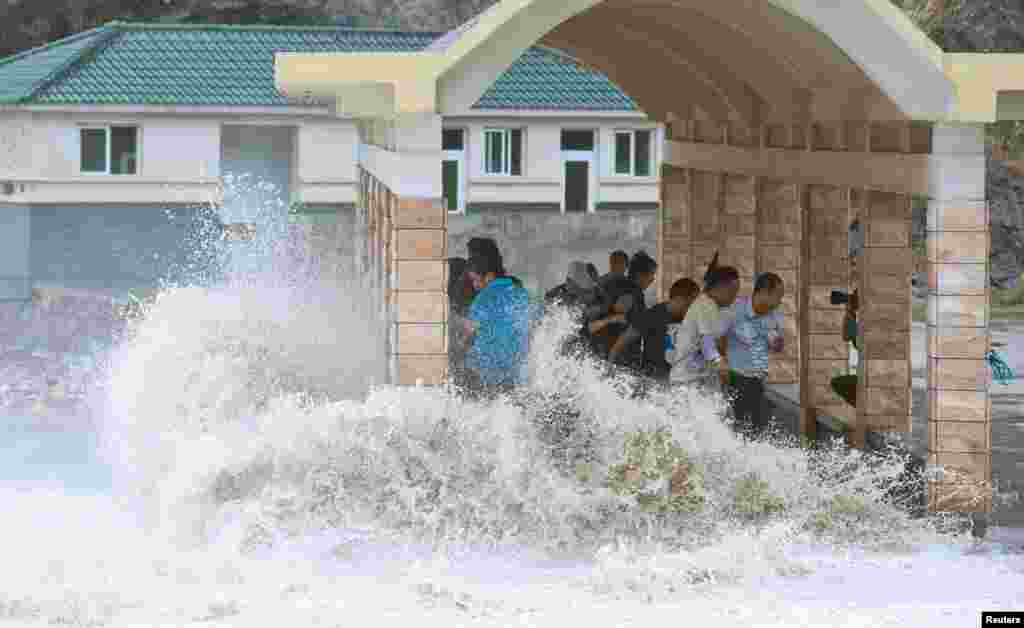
column 28, row 23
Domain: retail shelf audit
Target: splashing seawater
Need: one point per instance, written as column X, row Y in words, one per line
column 263, row 476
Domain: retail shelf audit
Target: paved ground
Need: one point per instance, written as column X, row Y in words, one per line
column 1007, row 415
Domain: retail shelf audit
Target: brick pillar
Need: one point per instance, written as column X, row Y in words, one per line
column 673, row 229
column 959, row 408
column 706, row 222
column 779, row 227
column 827, row 353
column 404, row 225
column 420, row 284
column 739, row 228
column 884, row 391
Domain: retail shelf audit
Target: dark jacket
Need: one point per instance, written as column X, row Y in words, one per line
column 616, row 289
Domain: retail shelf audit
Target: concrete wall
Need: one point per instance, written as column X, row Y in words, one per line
column 538, row 246
column 326, row 156
column 14, row 253
column 117, row 248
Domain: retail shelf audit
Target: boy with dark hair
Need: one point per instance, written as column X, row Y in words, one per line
column 753, row 333
column 618, row 266
column 652, row 328
column 499, row 325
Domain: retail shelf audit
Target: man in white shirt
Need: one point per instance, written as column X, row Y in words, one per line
column 697, row 354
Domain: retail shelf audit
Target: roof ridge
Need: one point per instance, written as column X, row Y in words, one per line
column 103, row 37
column 126, row 25
column 92, row 32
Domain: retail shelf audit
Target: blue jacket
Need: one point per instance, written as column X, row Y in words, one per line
column 502, row 312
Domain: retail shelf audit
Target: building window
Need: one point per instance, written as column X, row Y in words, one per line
column 633, row 153
column 110, row 150
column 503, row 151
column 451, row 139
column 575, row 139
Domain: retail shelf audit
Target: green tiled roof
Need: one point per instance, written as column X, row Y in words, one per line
column 24, row 74
column 160, row 64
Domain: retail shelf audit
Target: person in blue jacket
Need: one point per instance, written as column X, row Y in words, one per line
column 498, row 323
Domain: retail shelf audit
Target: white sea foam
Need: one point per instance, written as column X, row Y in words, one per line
column 263, row 476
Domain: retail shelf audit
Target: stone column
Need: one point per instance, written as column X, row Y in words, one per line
column 417, row 256
column 739, row 228
column 706, row 221
column 827, row 353
column 959, row 408
column 779, row 228
column 405, row 252
column 420, row 283
column 673, row 229
column 884, row 391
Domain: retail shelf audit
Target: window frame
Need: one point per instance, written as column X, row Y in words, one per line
column 506, row 156
column 108, row 145
column 460, row 156
column 462, row 131
column 632, row 133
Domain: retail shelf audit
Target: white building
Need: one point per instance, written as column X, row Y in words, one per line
column 102, row 134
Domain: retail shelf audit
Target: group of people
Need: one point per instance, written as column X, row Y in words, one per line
column 702, row 336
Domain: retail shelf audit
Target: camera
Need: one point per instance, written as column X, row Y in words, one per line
column 842, row 298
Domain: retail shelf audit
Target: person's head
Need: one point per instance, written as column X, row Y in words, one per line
column 579, row 276
column 853, row 304
column 592, row 272
column 642, row 269
column 681, row 296
column 484, row 269
column 722, row 284
column 486, row 247
column 768, row 292
column 618, row 262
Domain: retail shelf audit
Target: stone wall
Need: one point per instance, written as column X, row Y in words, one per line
column 538, row 246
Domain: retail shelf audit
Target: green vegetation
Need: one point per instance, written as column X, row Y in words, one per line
column 654, row 463
column 919, row 312
column 1008, row 304
column 839, row 511
column 753, row 497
